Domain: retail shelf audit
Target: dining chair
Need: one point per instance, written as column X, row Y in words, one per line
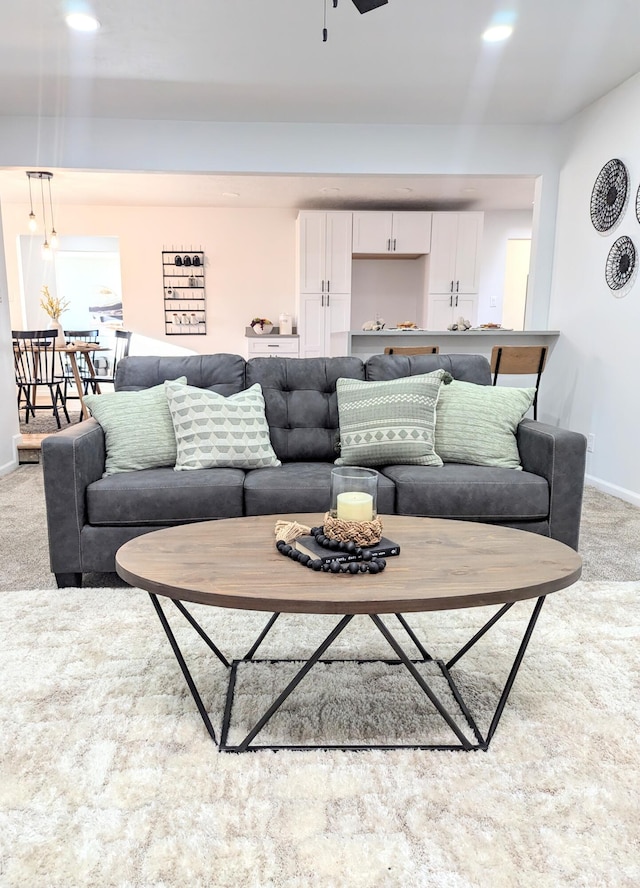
column 519, row 360
column 34, row 356
column 412, row 350
column 88, row 381
column 121, row 350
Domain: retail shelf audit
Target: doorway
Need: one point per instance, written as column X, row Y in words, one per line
column 516, row 280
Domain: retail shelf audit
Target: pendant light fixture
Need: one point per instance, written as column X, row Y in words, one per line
column 48, row 244
column 361, row 5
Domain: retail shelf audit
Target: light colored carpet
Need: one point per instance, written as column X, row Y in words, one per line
column 108, row 778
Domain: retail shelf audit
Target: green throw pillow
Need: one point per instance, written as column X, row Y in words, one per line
column 217, row 432
column 390, row 422
column 476, row 424
column 137, row 428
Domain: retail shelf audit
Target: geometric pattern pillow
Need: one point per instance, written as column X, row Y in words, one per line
column 212, row 431
column 476, row 424
column 390, row 422
column 137, row 427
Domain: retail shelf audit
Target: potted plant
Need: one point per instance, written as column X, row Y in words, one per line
column 54, row 306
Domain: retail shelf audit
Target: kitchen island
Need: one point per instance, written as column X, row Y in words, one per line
column 364, row 344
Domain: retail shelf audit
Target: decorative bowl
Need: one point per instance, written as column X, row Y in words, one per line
column 262, row 328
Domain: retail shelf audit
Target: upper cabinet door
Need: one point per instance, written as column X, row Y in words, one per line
column 338, row 228
column 444, row 245
column 467, row 275
column 372, row 232
column 311, row 245
column 376, row 233
column 454, row 265
column 411, row 233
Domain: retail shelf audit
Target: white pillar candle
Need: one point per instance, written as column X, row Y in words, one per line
column 354, row 506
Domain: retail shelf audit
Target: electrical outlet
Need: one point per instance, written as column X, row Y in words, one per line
column 493, row 301
column 591, row 443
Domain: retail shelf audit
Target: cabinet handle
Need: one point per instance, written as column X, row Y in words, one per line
column 457, row 288
column 328, row 298
column 389, row 245
column 451, row 301
column 451, row 287
column 394, row 245
column 322, row 287
column 456, row 300
column 322, row 301
column 328, row 286
column 275, row 345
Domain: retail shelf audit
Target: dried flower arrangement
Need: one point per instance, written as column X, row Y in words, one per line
column 53, row 305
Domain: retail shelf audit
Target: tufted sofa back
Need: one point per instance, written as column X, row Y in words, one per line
column 219, row 373
column 301, row 403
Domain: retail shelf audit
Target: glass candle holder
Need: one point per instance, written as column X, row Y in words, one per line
column 353, row 493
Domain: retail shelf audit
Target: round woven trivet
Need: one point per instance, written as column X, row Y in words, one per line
column 363, row 533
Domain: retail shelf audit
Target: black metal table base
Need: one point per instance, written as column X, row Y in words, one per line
column 460, row 740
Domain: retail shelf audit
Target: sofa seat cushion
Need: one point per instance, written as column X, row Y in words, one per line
column 162, row 496
column 300, row 487
column 479, row 493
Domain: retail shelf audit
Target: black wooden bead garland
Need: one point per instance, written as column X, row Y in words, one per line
column 365, row 562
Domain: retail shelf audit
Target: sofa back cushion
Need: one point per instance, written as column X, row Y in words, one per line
column 466, row 368
column 220, row 373
column 301, row 403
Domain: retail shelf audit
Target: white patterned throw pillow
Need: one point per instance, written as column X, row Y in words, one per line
column 389, row 422
column 217, row 432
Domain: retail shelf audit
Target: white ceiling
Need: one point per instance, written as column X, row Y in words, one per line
column 411, row 61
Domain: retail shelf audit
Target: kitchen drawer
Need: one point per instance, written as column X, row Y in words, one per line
column 268, row 346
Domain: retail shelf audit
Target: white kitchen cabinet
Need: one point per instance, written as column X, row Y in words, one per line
column 454, row 263
column 273, row 346
column 324, row 252
column 401, row 233
column 324, row 321
column 444, row 309
column 324, row 282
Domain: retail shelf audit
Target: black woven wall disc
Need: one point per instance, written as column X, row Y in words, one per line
column 609, row 195
column 621, row 263
column 638, row 204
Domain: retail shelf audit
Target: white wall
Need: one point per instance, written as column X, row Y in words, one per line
column 249, row 264
column 591, row 382
column 9, row 430
column 498, row 228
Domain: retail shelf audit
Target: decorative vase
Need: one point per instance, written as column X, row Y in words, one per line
column 60, row 338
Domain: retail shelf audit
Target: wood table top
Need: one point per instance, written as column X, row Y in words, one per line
column 442, row 565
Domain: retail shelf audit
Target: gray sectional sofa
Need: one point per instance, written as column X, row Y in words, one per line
column 90, row 516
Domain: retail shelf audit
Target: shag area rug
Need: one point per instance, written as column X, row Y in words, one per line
column 108, row 777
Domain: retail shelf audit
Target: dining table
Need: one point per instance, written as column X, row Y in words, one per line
column 86, row 349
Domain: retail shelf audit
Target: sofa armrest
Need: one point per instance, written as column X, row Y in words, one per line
column 71, row 460
column 559, row 456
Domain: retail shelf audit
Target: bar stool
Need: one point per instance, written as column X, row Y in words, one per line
column 412, row 350
column 519, row 360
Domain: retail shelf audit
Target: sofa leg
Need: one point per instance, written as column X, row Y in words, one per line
column 68, row 579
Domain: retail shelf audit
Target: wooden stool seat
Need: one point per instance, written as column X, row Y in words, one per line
column 412, row 350
column 519, row 360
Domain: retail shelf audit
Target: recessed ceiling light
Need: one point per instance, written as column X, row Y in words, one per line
column 404, row 190
column 328, row 190
column 78, row 21
column 496, row 33
column 231, row 194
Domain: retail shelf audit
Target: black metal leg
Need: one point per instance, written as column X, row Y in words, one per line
column 69, row 579
column 514, row 670
column 466, row 744
column 414, row 638
column 494, row 619
column 261, row 637
column 203, row 635
column 185, row 671
column 293, row 684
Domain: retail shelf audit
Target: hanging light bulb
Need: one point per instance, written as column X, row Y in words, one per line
column 54, row 233
column 33, row 225
column 47, row 252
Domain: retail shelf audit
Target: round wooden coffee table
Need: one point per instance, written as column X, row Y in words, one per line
column 443, row 565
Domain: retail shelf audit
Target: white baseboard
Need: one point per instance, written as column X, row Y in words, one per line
column 12, row 464
column 630, row 496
